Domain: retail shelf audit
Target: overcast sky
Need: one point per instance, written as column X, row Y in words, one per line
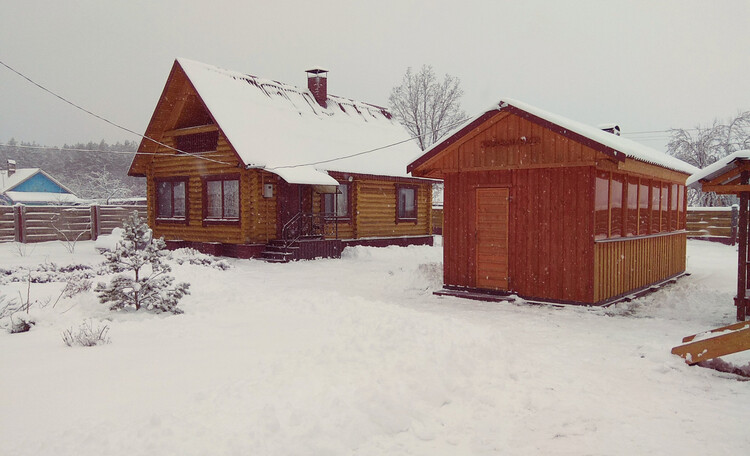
column 647, row 65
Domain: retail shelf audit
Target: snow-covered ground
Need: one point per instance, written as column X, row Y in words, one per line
column 356, row 356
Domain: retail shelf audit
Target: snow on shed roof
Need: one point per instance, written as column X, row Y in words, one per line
column 719, row 167
column 618, row 144
column 282, row 128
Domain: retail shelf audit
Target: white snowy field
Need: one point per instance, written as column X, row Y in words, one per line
column 356, row 356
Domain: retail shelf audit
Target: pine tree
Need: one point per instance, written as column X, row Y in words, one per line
column 149, row 285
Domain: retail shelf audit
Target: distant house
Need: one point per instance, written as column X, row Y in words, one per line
column 246, row 166
column 32, row 186
column 554, row 210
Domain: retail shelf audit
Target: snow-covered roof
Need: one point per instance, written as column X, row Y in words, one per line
column 16, row 178
column 282, row 129
column 617, row 143
column 719, row 167
column 42, row 197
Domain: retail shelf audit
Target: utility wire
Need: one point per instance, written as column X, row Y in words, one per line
column 104, row 119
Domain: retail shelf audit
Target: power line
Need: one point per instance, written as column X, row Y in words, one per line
column 105, row 119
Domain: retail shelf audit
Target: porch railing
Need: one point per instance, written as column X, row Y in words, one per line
column 307, row 224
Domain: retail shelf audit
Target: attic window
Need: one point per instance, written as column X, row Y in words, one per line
column 198, row 142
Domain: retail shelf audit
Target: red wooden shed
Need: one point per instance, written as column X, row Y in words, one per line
column 554, row 210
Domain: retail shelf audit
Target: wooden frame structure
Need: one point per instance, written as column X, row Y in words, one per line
column 731, row 175
column 549, row 209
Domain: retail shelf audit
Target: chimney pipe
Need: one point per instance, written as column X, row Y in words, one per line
column 317, row 83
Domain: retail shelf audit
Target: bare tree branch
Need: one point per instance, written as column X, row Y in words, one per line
column 425, row 106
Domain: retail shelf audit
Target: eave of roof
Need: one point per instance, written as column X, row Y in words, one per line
column 718, row 168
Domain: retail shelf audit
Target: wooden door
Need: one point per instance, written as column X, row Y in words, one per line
column 492, row 238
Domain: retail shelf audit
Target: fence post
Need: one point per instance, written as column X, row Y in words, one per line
column 735, row 222
column 94, row 222
column 18, row 222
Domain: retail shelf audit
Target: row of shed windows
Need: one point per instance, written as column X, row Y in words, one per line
column 633, row 206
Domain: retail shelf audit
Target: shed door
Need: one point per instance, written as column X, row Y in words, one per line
column 492, row 238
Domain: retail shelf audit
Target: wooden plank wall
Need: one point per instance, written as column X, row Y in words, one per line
column 550, row 231
column 499, row 144
column 7, row 225
column 51, row 223
column 629, row 264
column 111, row 217
column 712, row 222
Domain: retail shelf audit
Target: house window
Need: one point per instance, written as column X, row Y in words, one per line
column 221, row 199
column 337, row 204
column 171, row 199
column 407, row 203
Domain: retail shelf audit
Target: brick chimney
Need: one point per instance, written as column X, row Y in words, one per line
column 317, row 83
column 11, row 167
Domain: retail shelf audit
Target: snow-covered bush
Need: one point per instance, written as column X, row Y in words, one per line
column 87, row 335
column 139, row 254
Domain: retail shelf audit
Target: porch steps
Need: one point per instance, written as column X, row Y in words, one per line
column 305, row 248
column 279, row 252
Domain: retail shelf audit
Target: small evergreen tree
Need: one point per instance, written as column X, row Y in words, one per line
column 150, row 286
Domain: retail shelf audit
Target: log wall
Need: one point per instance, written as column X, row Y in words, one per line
column 375, row 210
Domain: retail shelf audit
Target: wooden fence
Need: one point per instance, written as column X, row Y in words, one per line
column 29, row 224
column 713, row 223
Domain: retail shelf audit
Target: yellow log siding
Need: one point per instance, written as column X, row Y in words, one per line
column 375, row 210
column 629, row 264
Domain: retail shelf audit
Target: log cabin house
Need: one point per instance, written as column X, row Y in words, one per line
column 553, row 210
column 242, row 166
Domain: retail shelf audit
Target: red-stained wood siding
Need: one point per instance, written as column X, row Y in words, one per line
column 550, row 244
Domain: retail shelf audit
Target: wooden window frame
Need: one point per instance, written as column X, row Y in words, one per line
column 399, row 218
column 221, row 178
column 606, row 177
column 184, row 220
column 349, row 206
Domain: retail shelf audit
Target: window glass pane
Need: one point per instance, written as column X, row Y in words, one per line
column 342, row 201
column 213, row 199
column 631, row 224
column 601, row 206
column 178, row 190
column 328, row 203
column 615, row 205
column 643, row 210
column 655, row 201
column 231, row 199
column 164, row 199
column 406, row 206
